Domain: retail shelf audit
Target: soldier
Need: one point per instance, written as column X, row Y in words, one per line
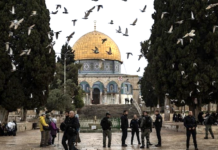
column 106, row 125
column 158, row 126
column 146, row 129
column 124, row 127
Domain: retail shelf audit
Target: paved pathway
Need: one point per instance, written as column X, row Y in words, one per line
column 93, row 141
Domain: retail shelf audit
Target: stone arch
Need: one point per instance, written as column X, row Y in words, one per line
column 126, row 88
column 99, row 85
column 85, row 86
column 112, row 87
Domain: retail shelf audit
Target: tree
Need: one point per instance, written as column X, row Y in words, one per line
column 34, row 72
column 185, row 71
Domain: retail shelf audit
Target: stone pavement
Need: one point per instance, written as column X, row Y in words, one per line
column 171, row 140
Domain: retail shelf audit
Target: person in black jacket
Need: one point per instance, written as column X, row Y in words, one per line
column 106, row 125
column 158, row 126
column 190, row 123
column 134, row 125
column 124, row 127
column 70, row 133
column 209, row 121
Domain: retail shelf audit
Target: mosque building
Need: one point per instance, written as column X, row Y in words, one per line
column 100, row 75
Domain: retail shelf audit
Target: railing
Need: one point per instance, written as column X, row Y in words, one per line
column 137, row 107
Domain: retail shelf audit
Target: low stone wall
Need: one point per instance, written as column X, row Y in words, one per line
column 179, row 127
column 24, row 126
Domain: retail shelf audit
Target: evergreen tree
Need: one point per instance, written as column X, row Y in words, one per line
column 27, row 86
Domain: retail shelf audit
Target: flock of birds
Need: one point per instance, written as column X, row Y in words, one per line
column 87, row 14
column 190, row 34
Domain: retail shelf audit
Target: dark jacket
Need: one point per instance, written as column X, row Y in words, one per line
column 158, row 122
column 146, row 122
column 72, row 124
column 106, row 123
column 190, row 122
column 134, row 124
column 124, row 122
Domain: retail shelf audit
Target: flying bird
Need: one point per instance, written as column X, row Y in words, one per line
column 211, row 6
column 10, row 52
column 51, row 44
column 140, row 56
column 195, row 65
column 190, row 40
column 7, row 46
column 144, row 9
column 112, row 22
column 138, row 70
column 198, row 90
column 74, row 22
column 213, row 83
column 43, row 92
column 10, row 34
column 31, row 95
column 57, row 33
column 30, row 29
column 16, row 23
column 129, row 54
column 190, row 94
column 54, row 13
column 119, row 30
column 190, row 34
column 210, row 93
column 167, row 94
column 12, row 10
column 192, row 16
column 96, row 51
column 163, row 14
column 180, row 41
column 214, row 28
column 170, row 30
column 197, row 83
column 90, row 10
column 100, row 6
column 65, row 11
column 13, row 67
column 34, row 13
column 109, row 52
column 86, row 15
column 58, row 6
column 26, row 52
column 70, row 36
column 95, row 0
column 182, row 73
column 173, row 65
column 49, row 34
column 186, row 77
column 179, row 22
column 134, row 23
column 126, row 33
column 104, row 40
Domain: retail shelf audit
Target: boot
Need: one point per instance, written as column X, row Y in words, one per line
column 205, row 137
column 142, row 147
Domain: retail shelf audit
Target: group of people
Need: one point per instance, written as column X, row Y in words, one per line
column 178, row 117
column 8, row 129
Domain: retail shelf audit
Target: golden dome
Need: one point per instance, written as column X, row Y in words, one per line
column 86, row 44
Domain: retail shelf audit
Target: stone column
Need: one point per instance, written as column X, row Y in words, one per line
column 105, row 95
column 167, row 109
column 90, row 96
column 87, row 99
column 119, row 91
column 100, row 98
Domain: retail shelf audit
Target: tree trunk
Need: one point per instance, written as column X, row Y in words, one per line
column 3, row 115
column 167, row 109
column 23, row 114
column 209, row 107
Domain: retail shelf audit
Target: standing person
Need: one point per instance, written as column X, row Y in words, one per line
column 70, row 132
column 146, row 129
column 48, row 132
column 106, row 125
column 175, row 117
column 209, row 121
column 78, row 140
column 190, row 123
column 124, row 127
column 200, row 118
column 42, row 126
column 54, row 130
column 131, row 101
column 158, row 126
column 134, row 125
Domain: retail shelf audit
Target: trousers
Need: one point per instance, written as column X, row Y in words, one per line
column 208, row 128
column 124, row 136
column 71, row 140
column 188, row 134
column 145, row 134
column 107, row 133
column 47, row 137
column 137, row 135
column 158, row 135
column 42, row 138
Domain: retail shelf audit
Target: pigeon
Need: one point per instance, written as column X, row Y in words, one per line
column 26, row 52
column 99, row 6
column 10, row 34
column 90, row 10
column 119, row 31
column 65, row 11
column 31, row 95
column 190, row 34
column 51, row 44
column 167, row 94
column 190, row 40
column 134, row 23
column 74, row 22
column 49, row 34
column 182, row 73
column 43, row 92
column 125, row 0
column 180, row 41
column 197, row 83
column 210, row 93
column 70, row 36
column 126, row 34
column 170, row 30
column 86, row 15
column 109, row 52
column 34, row 13
column 30, row 28
column 138, row 70
column 10, row 52
column 58, row 6
column 95, row 50
column 195, row 65
column 192, row 16
column 57, row 33
column 173, row 65
column 183, row 101
column 129, row 54
column 144, row 9
column 198, row 90
column 163, row 13
column 54, row 13
column 179, row 22
column 104, row 40
column 190, row 94
column 13, row 67
column 214, row 29
column 186, row 77
column 12, row 10
column 213, row 83
column 16, row 23
column 211, row 6
column 95, row 0
column 112, row 22
column 140, row 56
column 7, row 46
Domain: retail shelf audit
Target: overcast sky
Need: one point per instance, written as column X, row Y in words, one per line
column 123, row 14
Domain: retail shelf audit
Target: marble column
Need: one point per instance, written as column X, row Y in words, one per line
column 105, row 95
column 119, row 91
column 90, row 96
column 87, row 99
column 100, row 98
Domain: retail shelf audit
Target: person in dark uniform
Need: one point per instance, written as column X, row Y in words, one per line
column 190, row 123
column 106, row 125
column 134, row 125
column 124, row 127
column 158, row 126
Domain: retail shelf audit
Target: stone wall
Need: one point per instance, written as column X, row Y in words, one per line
column 24, row 126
